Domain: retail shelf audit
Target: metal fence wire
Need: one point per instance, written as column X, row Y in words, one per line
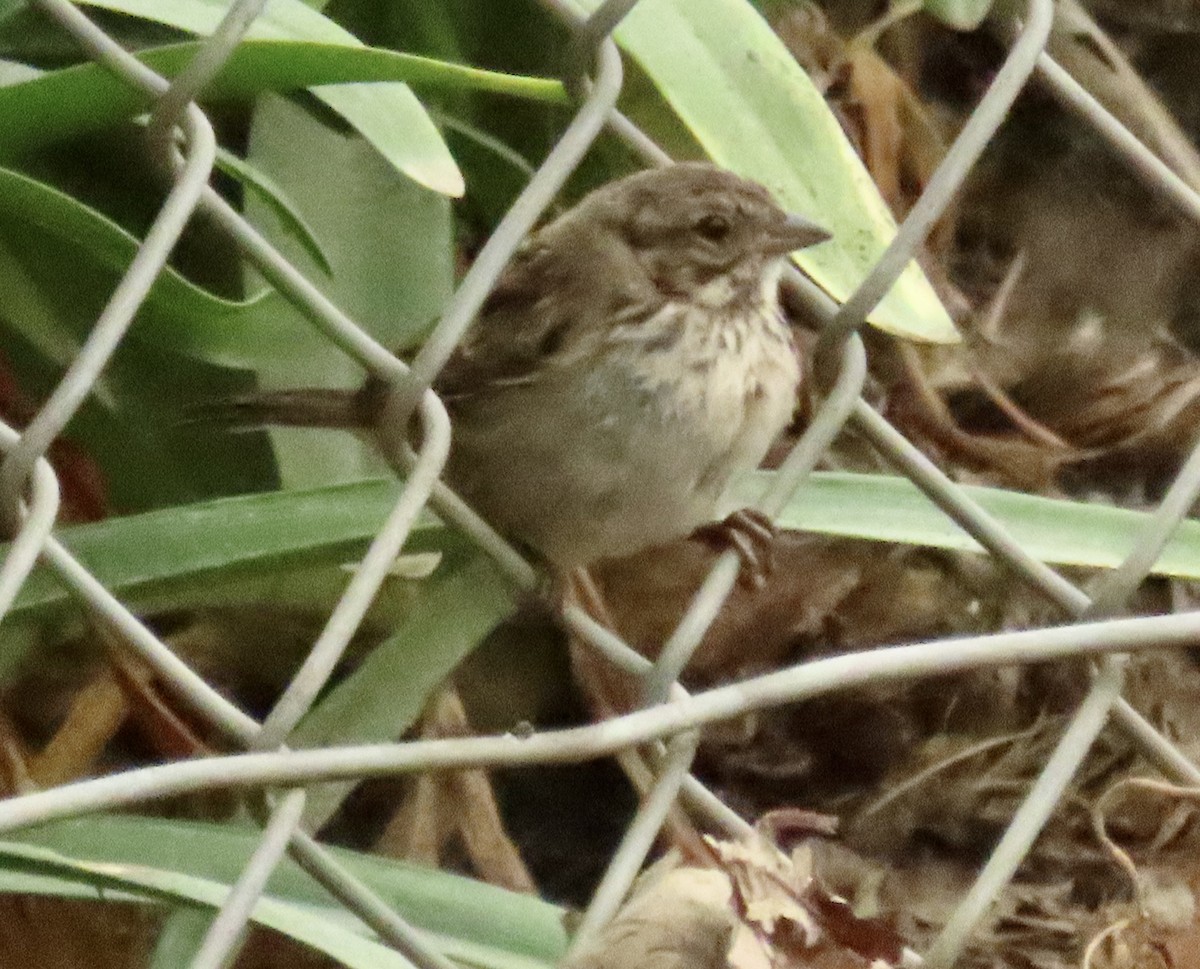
column 29, row 500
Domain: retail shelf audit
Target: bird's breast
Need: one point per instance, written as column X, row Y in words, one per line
column 714, row 369
column 633, row 442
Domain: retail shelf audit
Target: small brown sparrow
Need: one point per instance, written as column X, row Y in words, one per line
column 630, row 361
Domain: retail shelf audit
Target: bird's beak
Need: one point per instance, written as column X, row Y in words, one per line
column 796, row 232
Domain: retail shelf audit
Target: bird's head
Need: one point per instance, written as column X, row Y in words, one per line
column 702, row 233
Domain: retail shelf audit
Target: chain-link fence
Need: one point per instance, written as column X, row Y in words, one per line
column 29, row 498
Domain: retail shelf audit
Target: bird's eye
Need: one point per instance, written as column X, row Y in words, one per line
column 714, row 228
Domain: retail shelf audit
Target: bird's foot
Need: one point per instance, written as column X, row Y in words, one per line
column 750, row 534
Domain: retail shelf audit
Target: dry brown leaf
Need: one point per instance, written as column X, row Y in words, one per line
column 795, row 920
column 447, row 805
column 770, row 888
column 97, row 712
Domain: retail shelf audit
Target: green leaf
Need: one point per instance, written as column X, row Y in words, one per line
column 59, row 261
column 88, row 97
column 178, row 315
column 279, row 549
column 303, row 924
column 276, row 199
column 469, row 921
column 744, row 98
column 166, row 553
column 180, row 937
column 10, row 7
column 884, row 508
column 384, row 696
column 390, row 248
column 387, row 115
column 194, row 544
column 959, row 14
column 26, row 308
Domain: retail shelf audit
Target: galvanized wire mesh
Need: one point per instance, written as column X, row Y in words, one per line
column 29, row 501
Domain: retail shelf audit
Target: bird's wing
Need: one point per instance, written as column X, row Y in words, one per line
column 556, row 290
column 518, row 325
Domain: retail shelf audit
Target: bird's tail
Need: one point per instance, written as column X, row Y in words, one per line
column 304, row 407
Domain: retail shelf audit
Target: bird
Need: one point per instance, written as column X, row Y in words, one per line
column 631, row 360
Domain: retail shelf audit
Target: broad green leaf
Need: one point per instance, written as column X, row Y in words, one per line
column 60, row 263
column 25, row 307
column 283, row 549
column 276, row 199
column 884, row 508
column 177, row 547
column 387, row 115
column 752, row 109
column 391, row 254
column 384, row 696
column 163, row 553
column 303, row 924
column 472, row 922
column 959, row 14
column 195, row 544
column 87, row 97
column 180, row 937
column 178, row 315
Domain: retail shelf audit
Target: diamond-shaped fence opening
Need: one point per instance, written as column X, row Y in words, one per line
column 184, row 145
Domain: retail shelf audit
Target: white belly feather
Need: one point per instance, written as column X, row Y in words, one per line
column 640, row 449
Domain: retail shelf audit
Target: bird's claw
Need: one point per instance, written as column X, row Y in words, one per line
column 750, row 534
